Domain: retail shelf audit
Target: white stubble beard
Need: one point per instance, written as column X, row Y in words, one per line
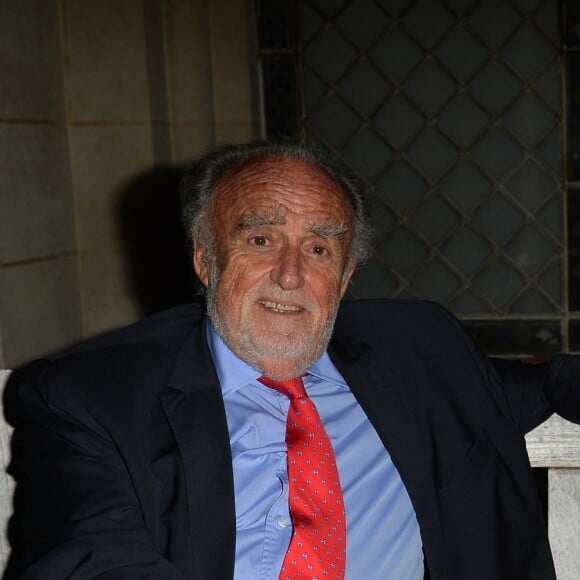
column 252, row 348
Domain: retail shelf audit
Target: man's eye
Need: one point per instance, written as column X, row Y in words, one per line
column 258, row 241
column 319, row 250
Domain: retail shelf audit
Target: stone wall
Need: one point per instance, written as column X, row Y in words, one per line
column 100, row 104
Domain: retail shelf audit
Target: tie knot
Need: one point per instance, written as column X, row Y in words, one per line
column 293, row 389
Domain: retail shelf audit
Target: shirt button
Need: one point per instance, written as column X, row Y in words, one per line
column 282, row 522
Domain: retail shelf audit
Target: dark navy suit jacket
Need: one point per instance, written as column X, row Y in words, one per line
column 123, row 464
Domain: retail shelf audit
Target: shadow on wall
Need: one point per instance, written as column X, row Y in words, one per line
column 159, row 256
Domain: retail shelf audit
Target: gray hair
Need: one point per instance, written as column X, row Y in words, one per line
column 202, row 176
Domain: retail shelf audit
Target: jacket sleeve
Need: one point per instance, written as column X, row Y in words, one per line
column 535, row 391
column 76, row 511
column 531, row 392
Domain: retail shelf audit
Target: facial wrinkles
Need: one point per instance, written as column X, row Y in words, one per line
column 271, row 179
column 302, row 203
column 255, row 219
column 325, row 227
column 330, row 229
column 255, row 343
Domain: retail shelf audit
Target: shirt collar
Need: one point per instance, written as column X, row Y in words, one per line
column 233, row 373
column 325, row 370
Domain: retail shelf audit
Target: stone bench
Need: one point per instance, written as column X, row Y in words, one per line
column 6, row 482
column 556, row 445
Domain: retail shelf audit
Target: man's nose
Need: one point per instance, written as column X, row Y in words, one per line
column 287, row 273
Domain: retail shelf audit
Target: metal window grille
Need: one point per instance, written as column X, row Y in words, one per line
column 450, row 112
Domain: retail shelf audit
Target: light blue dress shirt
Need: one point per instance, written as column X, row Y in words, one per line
column 383, row 539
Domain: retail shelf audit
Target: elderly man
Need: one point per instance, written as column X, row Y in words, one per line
column 280, row 435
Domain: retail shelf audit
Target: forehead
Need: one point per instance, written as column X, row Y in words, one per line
column 292, row 184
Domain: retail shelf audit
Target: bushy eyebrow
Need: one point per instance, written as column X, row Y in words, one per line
column 326, row 228
column 256, row 219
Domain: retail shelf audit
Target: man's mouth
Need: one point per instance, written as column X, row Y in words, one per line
column 279, row 307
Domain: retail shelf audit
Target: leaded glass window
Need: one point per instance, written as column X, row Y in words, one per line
column 451, row 113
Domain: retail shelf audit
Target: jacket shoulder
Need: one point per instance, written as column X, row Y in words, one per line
column 161, row 329
column 130, row 363
column 398, row 317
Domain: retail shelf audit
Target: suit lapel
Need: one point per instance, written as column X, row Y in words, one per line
column 382, row 397
column 194, row 409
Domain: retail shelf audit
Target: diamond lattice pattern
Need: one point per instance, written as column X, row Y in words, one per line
column 449, row 112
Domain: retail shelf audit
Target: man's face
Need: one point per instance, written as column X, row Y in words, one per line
column 283, row 229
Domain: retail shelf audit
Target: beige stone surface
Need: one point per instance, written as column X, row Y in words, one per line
column 232, row 87
column 109, row 299
column 2, row 359
column 564, row 521
column 189, row 76
column 189, row 61
column 555, row 443
column 103, row 162
column 189, row 141
column 36, row 211
column 30, row 56
column 39, row 292
column 93, row 96
column 39, row 308
column 105, row 61
column 6, row 482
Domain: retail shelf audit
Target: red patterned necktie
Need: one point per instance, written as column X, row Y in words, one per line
column 318, row 546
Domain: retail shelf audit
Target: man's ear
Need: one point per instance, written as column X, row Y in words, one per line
column 348, row 272
column 199, row 264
